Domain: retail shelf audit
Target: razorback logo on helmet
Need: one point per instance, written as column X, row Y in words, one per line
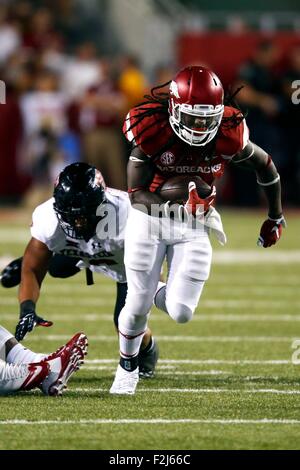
column 174, row 89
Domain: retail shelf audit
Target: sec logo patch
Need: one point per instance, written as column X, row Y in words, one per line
column 167, row 158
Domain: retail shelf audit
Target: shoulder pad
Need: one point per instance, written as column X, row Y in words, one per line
column 232, row 138
column 149, row 132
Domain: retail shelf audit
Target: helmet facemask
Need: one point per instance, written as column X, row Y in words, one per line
column 77, row 223
column 196, row 125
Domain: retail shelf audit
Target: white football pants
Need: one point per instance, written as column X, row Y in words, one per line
column 4, row 337
column 148, row 241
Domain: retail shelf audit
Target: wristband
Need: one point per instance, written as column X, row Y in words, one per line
column 27, row 306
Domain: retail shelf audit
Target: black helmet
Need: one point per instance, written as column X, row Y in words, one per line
column 78, row 192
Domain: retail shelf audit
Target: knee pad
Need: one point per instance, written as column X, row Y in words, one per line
column 179, row 312
column 132, row 321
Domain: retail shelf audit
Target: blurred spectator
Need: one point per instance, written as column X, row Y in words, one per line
column 290, row 122
column 97, row 116
column 257, row 75
column 260, row 96
column 9, row 36
column 41, row 30
column 44, row 106
column 163, row 74
column 132, row 81
column 81, row 72
column 22, row 12
column 54, row 56
column 43, row 112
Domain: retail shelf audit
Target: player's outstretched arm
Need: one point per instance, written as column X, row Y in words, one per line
column 34, row 267
column 254, row 158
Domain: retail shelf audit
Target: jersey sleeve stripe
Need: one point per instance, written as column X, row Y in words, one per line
column 245, row 134
column 129, row 133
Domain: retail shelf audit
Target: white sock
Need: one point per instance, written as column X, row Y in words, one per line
column 160, row 296
column 130, row 342
column 20, row 355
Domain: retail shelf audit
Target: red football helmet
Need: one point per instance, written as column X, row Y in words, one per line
column 196, row 105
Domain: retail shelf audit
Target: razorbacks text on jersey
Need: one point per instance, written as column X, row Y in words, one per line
column 104, row 252
column 154, row 132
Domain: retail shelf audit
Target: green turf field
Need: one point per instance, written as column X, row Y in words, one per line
column 224, row 381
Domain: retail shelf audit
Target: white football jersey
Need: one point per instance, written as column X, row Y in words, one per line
column 104, row 253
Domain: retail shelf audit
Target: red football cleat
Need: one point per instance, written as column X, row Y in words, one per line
column 17, row 377
column 37, row 373
column 63, row 363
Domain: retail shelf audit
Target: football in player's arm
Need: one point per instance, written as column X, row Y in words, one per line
column 190, row 131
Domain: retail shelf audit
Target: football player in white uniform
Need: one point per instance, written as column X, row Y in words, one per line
column 23, row 369
column 82, row 226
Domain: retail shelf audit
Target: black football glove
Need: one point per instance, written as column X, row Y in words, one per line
column 28, row 320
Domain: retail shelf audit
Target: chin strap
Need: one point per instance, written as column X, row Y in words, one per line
column 89, row 277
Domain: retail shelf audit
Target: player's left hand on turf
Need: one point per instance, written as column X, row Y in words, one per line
column 195, row 204
column 270, row 231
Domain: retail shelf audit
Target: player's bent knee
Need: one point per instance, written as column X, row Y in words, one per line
column 129, row 320
column 179, row 312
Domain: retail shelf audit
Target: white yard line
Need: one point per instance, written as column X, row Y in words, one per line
column 66, row 301
column 199, row 317
column 248, row 282
column 258, row 256
column 263, row 421
column 170, row 373
column 177, row 339
column 15, row 235
column 204, row 304
column 218, row 391
column 113, row 368
column 203, row 361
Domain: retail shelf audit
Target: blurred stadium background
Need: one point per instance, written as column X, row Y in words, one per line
column 72, row 68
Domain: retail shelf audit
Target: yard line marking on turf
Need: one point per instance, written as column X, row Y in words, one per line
column 113, row 368
column 248, row 282
column 218, row 303
column 272, row 391
column 179, row 339
column 201, row 361
column 238, row 303
column 171, row 373
column 66, row 301
column 69, row 288
column 199, row 317
column 255, row 257
column 15, row 235
column 263, row 421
